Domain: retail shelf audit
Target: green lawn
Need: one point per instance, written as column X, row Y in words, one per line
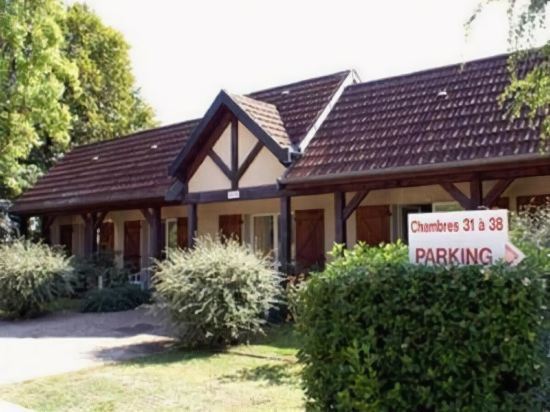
column 259, row 377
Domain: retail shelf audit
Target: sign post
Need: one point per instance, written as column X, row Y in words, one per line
column 477, row 237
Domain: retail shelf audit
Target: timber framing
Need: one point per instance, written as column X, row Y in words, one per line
column 222, row 106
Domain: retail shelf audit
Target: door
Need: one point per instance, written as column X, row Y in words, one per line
column 132, row 245
column 230, row 226
column 107, row 237
column 66, row 238
column 182, row 233
column 373, row 224
column 310, row 239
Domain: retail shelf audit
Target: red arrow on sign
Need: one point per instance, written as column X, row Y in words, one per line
column 513, row 255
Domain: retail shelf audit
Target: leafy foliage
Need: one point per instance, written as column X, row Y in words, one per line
column 8, row 228
column 218, row 292
column 110, row 104
column 527, row 94
column 33, row 73
column 382, row 334
column 32, row 275
column 65, row 79
column 123, row 297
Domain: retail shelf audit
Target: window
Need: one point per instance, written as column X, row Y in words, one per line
column 264, row 234
column 171, row 234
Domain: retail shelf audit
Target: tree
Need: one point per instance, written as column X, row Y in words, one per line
column 530, row 93
column 110, row 105
column 65, row 80
column 33, row 75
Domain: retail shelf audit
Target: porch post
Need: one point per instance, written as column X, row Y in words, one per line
column 476, row 195
column 23, row 226
column 192, row 223
column 45, row 225
column 154, row 233
column 88, row 234
column 285, row 233
column 340, row 235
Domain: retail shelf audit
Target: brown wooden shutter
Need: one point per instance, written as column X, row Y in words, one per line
column 66, row 238
column 182, row 233
column 132, row 245
column 373, row 224
column 310, row 239
column 107, row 237
column 230, row 226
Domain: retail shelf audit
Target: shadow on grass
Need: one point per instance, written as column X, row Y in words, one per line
column 270, row 374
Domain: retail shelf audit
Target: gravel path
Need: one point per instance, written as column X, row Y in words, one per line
column 66, row 342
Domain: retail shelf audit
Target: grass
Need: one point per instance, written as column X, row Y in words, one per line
column 262, row 376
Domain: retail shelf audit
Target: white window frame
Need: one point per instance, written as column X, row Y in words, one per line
column 275, row 233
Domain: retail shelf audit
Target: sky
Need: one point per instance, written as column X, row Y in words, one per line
column 184, row 52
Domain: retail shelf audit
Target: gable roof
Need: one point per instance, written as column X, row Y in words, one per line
column 248, row 112
column 437, row 116
column 128, row 170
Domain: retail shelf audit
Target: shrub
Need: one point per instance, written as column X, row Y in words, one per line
column 383, row 335
column 32, row 275
column 102, row 264
column 115, row 299
column 218, row 292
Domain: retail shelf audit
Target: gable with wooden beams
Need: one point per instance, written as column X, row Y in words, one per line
column 241, row 143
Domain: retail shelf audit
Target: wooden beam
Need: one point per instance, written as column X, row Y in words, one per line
column 285, row 233
column 221, row 164
column 476, row 193
column 234, row 154
column 246, row 193
column 456, row 194
column 496, row 191
column 23, row 226
column 99, row 218
column 355, row 202
column 88, row 234
column 155, row 232
column 192, row 224
column 339, row 218
column 249, row 159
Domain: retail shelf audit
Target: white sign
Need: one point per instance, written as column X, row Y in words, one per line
column 233, row 194
column 477, row 237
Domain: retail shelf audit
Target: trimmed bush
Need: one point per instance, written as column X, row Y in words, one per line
column 218, row 292
column 380, row 334
column 31, row 276
column 115, row 299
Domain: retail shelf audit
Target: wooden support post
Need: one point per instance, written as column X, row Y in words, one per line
column 496, row 191
column 457, row 195
column 285, row 233
column 23, row 226
column 45, row 225
column 152, row 216
column 340, row 220
column 192, row 224
column 88, row 234
column 476, row 193
column 234, row 154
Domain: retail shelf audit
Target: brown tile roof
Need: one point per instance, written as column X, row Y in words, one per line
column 124, row 169
column 301, row 103
column 128, row 169
column 266, row 116
column 435, row 116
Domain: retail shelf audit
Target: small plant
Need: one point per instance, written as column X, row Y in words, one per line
column 100, row 265
column 217, row 293
column 31, row 276
column 119, row 298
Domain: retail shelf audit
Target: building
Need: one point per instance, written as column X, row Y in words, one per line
column 295, row 168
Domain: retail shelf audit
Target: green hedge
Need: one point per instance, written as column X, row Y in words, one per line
column 119, row 298
column 380, row 334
